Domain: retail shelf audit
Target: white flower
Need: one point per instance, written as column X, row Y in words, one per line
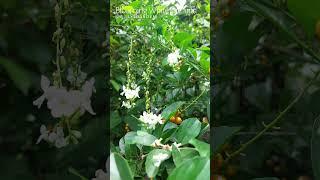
column 159, row 158
column 44, row 134
column 130, row 93
column 100, row 174
column 127, row 104
column 60, row 102
column 87, row 90
column 151, row 119
column 56, row 137
column 64, row 103
column 173, row 58
column 45, row 83
column 157, row 142
column 76, row 77
column 60, row 140
column 177, row 145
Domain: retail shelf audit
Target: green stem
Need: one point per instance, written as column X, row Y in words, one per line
column 75, row 172
column 194, row 101
column 274, row 122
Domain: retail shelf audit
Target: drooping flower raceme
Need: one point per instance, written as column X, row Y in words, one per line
column 173, row 58
column 151, row 119
column 159, row 158
column 130, row 93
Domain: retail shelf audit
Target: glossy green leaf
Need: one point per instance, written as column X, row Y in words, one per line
column 171, row 110
column 183, row 154
column 152, row 164
column 202, row 147
column 189, row 129
column 220, row 135
column 139, row 137
column 197, row 168
column 119, row 168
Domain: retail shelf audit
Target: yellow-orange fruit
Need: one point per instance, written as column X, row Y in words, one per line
column 178, row 120
column 173, row 119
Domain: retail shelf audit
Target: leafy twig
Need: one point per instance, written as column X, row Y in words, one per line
column 274, row 122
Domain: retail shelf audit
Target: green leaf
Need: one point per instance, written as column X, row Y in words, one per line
column 266, row 178
column 183, row 39
column 189, row 129
column 18, row 74
column 197, row 168
column 202, row 147
column 315, row 148
column 114, row 119
column 306, row 12
column 171, row 110
column 151, row 164
column 139, row 137
column 183, row 154
column 119, row 168
column 221, row 135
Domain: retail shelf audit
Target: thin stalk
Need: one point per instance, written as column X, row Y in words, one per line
column 274, row 122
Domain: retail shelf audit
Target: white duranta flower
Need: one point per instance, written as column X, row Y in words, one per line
column 127, row 104
column 173, row 58
column 159, row 158
column 130, row 93
column 64, row 103
column 151, row 119
column 55, row 137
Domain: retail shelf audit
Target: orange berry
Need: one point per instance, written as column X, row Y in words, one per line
column 178, row 120
column 173, row 119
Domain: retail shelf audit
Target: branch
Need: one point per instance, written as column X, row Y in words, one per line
column 274, row 122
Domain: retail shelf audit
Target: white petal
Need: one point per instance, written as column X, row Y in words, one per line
column 38, row 102
column 45, row 83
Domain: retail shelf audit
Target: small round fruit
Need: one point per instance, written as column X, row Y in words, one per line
column 173, row 119
column 178, row 120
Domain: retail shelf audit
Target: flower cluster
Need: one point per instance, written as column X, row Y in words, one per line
column 157, row 143
column 55, row 136
column 64, row 103
column 130, row 93
column 151, row 119
column 173, row 58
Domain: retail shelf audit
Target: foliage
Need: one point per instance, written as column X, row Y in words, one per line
column 160, row 77
column 266, row 82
